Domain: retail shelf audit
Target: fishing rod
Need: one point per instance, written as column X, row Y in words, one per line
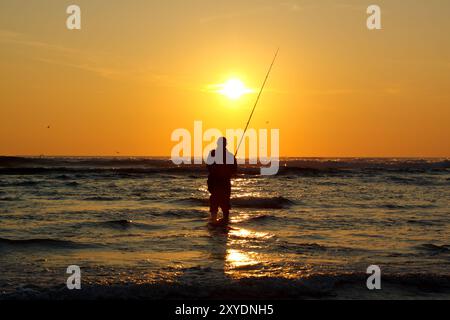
column 256, row 102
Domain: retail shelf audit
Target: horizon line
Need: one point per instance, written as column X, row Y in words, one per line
column 168, row 156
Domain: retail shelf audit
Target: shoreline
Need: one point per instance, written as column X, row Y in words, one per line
column 344, row 287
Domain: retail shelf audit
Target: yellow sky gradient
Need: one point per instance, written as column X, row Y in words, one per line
column 140, row 69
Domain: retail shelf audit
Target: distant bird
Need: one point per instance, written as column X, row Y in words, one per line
column 48, row 127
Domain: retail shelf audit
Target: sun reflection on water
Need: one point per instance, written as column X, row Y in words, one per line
column 243, row 235
column 246, row 257
column 237, row 259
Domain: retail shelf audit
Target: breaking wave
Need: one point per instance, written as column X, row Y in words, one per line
column 122, row 224
column 330, row 286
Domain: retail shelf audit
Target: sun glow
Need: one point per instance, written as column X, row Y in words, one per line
column 234, row 89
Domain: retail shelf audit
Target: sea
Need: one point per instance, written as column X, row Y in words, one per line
column 137, row 228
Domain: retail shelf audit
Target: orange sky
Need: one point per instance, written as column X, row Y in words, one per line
column 140, row 69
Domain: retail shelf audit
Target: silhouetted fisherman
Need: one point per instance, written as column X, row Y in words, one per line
column 222, row 165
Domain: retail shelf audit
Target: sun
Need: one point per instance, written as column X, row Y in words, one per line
column 234, row 89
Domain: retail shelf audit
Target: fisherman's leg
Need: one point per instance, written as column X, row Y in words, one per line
column 226, row 210
column 226, row 214
column 213, row 206
column 226, row 205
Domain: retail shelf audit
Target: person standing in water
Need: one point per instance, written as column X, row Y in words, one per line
column 222, row 165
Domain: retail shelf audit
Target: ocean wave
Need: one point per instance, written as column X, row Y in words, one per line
column 22, row 183
column 53, row 243
column 263, row 218
column 27, row 183
column 423, row 222
column 148, row 166
column 416, row 180
column 69, row 172
column 72, row 184
column 313, row 248
column 407, row 206
column 15, row 162
column 329, row 286
column 123, row 224
column 190, row 213
column 102, row 198
column 248, row 202
column 262, row 202
column 200, row 172
column 434, row 249
column 8, row 199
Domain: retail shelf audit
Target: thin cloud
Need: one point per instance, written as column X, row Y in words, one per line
column 104, row 72
column 102, row 64
column 20, row 39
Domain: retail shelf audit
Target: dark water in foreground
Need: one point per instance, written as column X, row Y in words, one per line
column 138, row 229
